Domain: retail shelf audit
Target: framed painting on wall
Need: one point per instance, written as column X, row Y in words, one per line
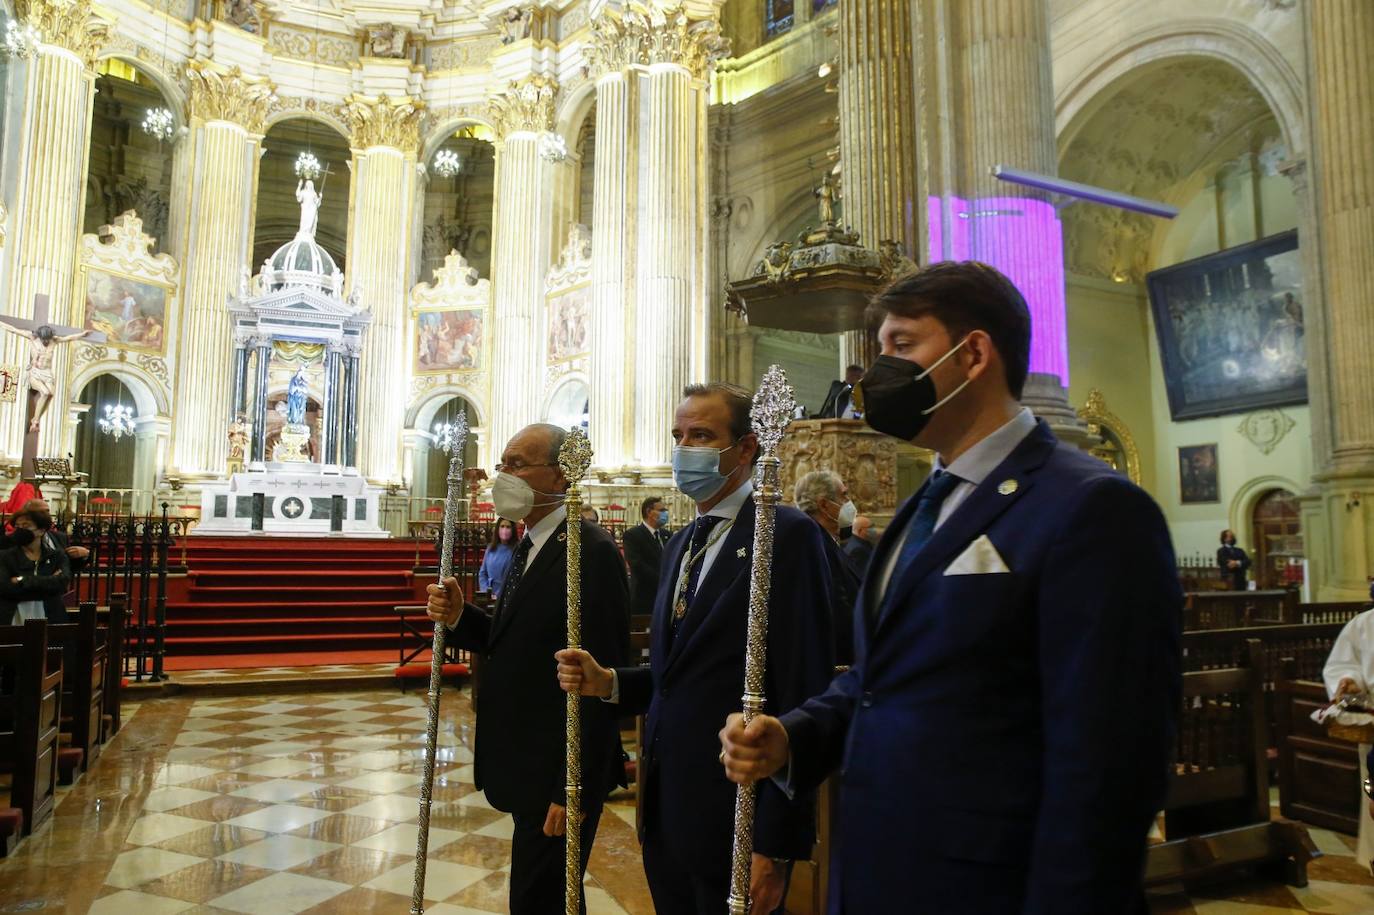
column 131, row 313
column 449, row 341
column 569, row 312
column 1230, row 329
column 1197, row 474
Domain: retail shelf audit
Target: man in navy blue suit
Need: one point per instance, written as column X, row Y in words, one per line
column 696, row 672
column 1002, row 741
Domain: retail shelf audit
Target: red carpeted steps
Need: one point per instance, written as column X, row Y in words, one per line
column 271, row 595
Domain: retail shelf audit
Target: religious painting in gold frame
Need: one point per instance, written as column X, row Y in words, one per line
column 569, row 322
column 132, row 312
column 449, row 340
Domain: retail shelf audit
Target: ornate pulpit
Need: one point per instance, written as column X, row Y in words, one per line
column 864, row 459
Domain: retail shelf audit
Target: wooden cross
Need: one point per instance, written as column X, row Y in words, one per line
column 40, row 319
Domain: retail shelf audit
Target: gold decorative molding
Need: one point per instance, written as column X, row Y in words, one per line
column 123, row 247
column 70, row 24
column 385, row 121
column 655, row 36
column 526, row 106
column 1098, row 418
column 229, row 96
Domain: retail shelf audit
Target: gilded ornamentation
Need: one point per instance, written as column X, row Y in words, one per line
column 153, row 365
column 70, row 24
column 87, row 353
column 1099, row 420
column 575, row 262
column 1266, row 428
column 229, row 96
column 123, row 247
column 464, row 52
column 654, row 36
column 314, row 46
column 385, row 121
column 527, row 106
column 334, row 114
column 864, row 459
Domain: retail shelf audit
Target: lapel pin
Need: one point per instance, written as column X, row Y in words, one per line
column 564, row 535
column 1007, row 487
column 742, row 552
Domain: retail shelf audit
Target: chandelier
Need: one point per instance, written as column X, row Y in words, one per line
column 446, row 163
column 20, row 41
column 307, row 166
column 552, row 147
column 157, row 123
column 444, row 434
column 117, row 421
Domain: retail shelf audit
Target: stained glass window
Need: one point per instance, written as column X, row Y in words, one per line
column 779, row 17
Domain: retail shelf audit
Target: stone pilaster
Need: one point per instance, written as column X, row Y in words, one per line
column 385, row 143
column 227, row 114
column 59, row 85
column 520, row 244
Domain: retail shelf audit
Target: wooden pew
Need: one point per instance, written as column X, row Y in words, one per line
column 1319, row 777
column 30, row 712
column 1216, row 814
column 1340, row 612
column 1237, row 609
column 84, row 652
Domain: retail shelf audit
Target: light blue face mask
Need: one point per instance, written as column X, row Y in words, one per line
column 663, row 517
column 696, row 471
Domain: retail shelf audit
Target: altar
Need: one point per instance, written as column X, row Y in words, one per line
column 290, row 499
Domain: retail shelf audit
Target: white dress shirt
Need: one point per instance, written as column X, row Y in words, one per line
column 542, row 530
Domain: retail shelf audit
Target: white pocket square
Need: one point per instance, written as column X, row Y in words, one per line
column 981, row 558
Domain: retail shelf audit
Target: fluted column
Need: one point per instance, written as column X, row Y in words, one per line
column 671, row 299
column 227, row 111
column 262, row 347
column 612, row 400
column 385, row 141
column 50, row 195
column 877, row 136
column 520, row 246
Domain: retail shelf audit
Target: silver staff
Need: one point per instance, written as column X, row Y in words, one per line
column 774, row 405
column 436, row 667
column 574, row 459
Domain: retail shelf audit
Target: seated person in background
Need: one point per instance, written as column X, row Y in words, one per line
column 1349, row 671
column 591, row 515
column 77, row 556
column 496, row 561
column 839, row 402
column 34, row 573
column 1233, row 562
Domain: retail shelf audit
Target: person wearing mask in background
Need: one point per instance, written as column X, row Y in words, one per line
column 1233, row 562
column 521, row 713
column 822, row 496
column 77, row 556
column 697, row 667
column 591, row 515
column 1349, row 672
column 1005, row 733
column 644, row 545
column 859, row 547
column 34, row 573
column 497, row 559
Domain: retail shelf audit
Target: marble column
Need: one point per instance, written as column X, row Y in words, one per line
column 240, row 399
column 878, row 144
column 350, row 417
column 1340, row 534
column 333, row 404
column 612, row 400
column 671, row 296
column 263, row 350
column 386, row 140
column 227, row 113
column 520, row 246
column 49, row 198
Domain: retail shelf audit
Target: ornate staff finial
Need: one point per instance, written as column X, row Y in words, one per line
column 576, row 455
column 774, row 405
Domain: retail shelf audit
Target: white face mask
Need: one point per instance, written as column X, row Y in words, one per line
column 514, row 498
column 848, row 512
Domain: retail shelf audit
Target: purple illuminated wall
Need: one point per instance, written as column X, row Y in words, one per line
column 1022, row 238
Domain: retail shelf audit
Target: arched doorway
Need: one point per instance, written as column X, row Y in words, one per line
column 434, row 457
column 460, row 193
column 107, row 453
column 569, row 405
column 1276, row 532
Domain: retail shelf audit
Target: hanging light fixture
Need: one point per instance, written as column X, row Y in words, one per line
column 443, row 436
column 21, row 40
column 158, row 123
column 447, row 164
column 118, row 421
column 552, row 147
column 307, row 166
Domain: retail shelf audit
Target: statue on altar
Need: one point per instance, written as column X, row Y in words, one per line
column 43, row 343
column 238, row 439
column 310, row 207
column 296, row 393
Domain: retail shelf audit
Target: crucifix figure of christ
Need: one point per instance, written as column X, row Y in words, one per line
column 44, row 339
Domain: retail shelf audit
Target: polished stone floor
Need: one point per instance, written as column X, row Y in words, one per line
column 307, row 803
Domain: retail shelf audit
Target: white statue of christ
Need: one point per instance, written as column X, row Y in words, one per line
column 310, row 208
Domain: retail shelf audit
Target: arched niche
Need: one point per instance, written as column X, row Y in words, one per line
column 277, row 216
column 459, row 208
column 128, row 167
column 569, row 402
column 109, row 458
column 430, row 468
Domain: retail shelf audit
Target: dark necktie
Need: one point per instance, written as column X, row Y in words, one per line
column 517, row 571
column 920, row 528
column 701, row 533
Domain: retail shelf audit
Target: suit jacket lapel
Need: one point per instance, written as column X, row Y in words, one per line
column 553, row 550
column 661, row 627
column 724, row 570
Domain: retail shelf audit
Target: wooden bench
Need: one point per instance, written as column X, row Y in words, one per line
column 30, row 712
column 417, row 638
column 84, row 650
column 1236, row 609
column 1319, row 776
column 1216, row 814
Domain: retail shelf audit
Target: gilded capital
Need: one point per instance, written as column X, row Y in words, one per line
column 615, row 44
column 526, row 106
column 673, row 38
column 70, row 24
column 229, row 96
column 385, row 121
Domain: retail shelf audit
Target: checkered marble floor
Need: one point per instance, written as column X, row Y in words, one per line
column 304, row 674
column 286, row 804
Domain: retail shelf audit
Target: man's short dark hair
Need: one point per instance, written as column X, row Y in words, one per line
column 648, row 504
column 965, row 296
column 739, row 400
column 854, row 368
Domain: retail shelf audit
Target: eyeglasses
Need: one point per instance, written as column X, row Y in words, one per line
column 517, row 467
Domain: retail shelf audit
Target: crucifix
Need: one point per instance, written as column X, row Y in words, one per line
column 43, row 340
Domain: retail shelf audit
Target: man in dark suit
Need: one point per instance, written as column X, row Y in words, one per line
column 520, row 752
column 823, row 497
column 859, row 546
column 839, row 400
column 644, row 545
column 696, row 671
column 1003, row 738
column 1233, row 562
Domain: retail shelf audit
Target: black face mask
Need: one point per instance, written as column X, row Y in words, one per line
column 23, row 536
column 897, row 396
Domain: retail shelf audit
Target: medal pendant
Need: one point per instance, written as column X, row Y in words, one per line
column 680, row 610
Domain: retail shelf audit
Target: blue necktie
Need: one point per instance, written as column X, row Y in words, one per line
column 701, row 533
column 921, row 527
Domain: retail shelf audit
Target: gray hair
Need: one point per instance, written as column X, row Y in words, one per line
column 815, row 486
